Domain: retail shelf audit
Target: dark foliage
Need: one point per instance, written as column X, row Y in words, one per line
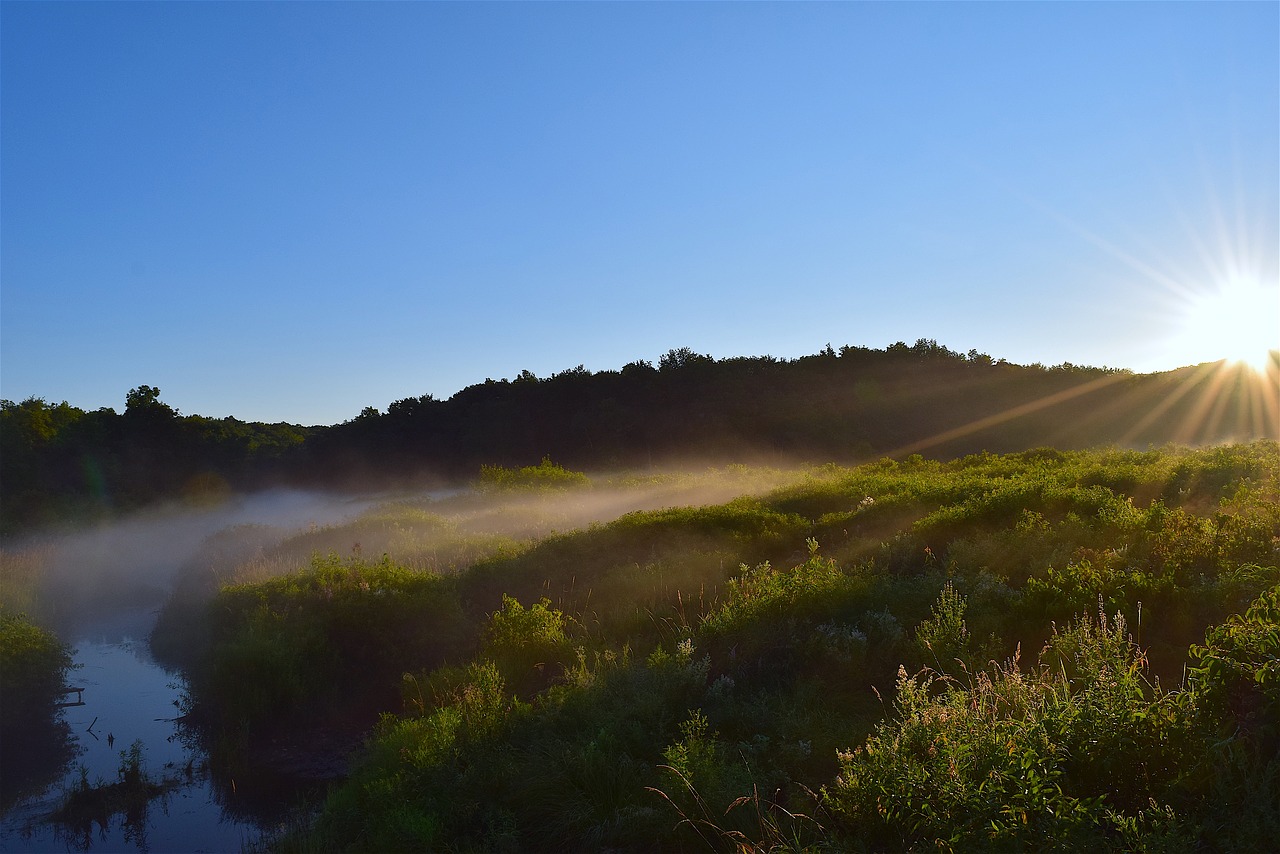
column 854, row 404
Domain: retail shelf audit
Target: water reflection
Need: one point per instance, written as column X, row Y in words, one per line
column 128, row 699
column 119, row 808
column 35, row 762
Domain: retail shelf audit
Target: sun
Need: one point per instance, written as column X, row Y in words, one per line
column 1239, row 320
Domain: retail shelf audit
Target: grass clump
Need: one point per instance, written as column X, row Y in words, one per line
column 545, row 476
column 129, row 797
column 1082, row 751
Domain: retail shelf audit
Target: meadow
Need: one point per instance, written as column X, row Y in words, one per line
column 1041, row 650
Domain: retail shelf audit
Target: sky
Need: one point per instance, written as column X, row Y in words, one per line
column 292, row 211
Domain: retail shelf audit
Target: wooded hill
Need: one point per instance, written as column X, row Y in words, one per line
column 846, row 406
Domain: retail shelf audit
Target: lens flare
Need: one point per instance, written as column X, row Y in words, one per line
column 1238, row 321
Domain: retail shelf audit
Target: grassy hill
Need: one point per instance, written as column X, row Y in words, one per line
column 1045, row 649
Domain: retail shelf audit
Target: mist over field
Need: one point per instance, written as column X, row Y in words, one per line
column 85, row 575
column 61, row 463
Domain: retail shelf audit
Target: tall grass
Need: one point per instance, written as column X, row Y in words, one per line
column 835, row 663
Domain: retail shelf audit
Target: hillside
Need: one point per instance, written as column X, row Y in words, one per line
column 1045, row 650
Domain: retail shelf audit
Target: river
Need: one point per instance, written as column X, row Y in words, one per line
column 120, row 577
column 129, row 698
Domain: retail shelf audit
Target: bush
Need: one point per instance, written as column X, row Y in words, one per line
column 944, row 637
column 1022, row 760
column 1236, row 676
column 317, row 634
column 1235, row 692
column 33, row 669
column 35, row 741
column 528, row 643
column 543, row 477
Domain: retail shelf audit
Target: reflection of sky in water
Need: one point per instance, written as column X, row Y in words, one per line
column 128, row 697
column 105, row 586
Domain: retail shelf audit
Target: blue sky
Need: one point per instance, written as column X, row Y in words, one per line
column 292, row 211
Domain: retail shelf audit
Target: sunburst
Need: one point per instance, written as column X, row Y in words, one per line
column 1238, row 320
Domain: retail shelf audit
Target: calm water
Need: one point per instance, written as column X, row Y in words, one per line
column 103, row 576
column 128, row 698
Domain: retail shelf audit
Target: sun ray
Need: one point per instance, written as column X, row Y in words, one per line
column 1215, row 401
column 1223, row 300
column 1199, row 375
column 1210, row 405
column 1009, row 414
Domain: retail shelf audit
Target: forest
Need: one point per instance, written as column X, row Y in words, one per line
column 59, row 462
column 940, row 618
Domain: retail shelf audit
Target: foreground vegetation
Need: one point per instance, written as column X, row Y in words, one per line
column 33, row 672
column 33, row 666
column 1039, row 650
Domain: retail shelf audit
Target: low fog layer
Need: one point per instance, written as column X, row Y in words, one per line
column 83, row 577
column 81, row 580
column 446, row 534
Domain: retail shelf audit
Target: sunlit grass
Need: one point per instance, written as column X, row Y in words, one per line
column 21, row 572
column 543, row 697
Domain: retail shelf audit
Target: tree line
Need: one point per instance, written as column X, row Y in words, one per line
column 842, row 405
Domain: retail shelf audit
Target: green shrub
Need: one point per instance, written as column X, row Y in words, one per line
column 762, row 593
column 33, row 669
column 1017, row 759
column 529, row 644
column 483, row 771
column 1236, row 676
column 965, row 768
column 546, row 475
column 36, row 744
column 943, row 639
column 1234, row 692
column 316, row 634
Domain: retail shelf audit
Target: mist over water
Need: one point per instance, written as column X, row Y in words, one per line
column 86, row 576
column 102, row 587
column 89, row 575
